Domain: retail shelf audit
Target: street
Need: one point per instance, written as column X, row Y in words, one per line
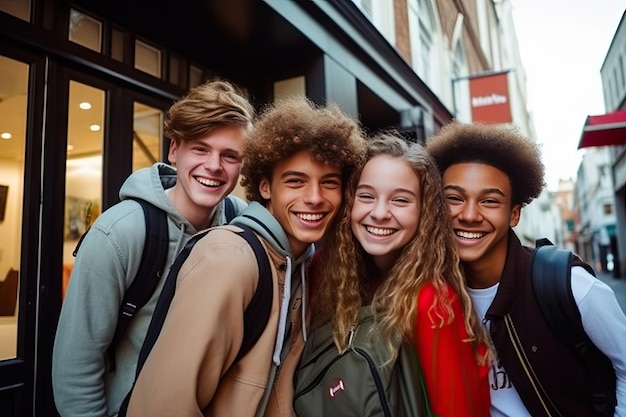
column 617, row 284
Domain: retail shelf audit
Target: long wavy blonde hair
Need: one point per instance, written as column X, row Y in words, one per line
column 346, row 276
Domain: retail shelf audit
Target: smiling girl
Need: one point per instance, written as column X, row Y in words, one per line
column 393, row 249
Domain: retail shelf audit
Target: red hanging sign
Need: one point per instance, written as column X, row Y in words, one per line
column 489, row 98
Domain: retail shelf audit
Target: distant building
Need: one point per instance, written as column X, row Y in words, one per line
column 601, row 188
column 596, row 202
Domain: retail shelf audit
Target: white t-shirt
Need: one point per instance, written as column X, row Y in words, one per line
column 603, row 321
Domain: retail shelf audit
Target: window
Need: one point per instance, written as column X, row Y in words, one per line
column 117, row 45
column 85, row 30
column 621, row 71
column 290, row 87
column 175, row 71
column 421, row 30
column 148, row 58
column 381, row 13
column 365, row 6
column 460, row 89
column 13, row 110
column 195, row 76
column 147, row 134
column 83, row 172
column 17, row 8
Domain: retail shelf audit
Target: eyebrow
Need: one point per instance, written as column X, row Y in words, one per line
column 303, row 175
column 395, row 190
column 483, row 191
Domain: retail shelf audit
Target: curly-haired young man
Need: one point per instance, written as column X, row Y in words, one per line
column 208, row 128
column 296, row 166
column 488, row 174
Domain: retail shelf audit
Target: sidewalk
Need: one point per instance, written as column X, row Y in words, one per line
column 617, row 284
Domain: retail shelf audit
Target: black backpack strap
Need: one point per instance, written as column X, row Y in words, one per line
column 229, row 209
column 151, row 267
column 256, row 315
column 552, row 285
column 165, row 299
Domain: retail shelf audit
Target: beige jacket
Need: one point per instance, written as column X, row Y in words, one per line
column 190, row 370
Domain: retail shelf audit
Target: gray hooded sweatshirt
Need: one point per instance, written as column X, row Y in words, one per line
column 105, row 266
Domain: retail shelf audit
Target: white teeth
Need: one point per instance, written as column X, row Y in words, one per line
column 378, row 231
column 310, row 217
column 469, row 235
column 208, row 182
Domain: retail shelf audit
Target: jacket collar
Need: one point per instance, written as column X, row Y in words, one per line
column 515, row 276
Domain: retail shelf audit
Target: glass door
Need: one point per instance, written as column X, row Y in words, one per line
column 13, row 106
column 83, row 167
column 84, row 163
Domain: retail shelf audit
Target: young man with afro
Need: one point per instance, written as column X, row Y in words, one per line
column 489, row 173
column 296, row 165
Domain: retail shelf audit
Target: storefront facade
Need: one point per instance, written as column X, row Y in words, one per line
column 83, row 88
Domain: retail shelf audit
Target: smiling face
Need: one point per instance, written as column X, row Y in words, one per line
column 207, row 171
column 304, row 196
column 386, row 209
column 479, row 199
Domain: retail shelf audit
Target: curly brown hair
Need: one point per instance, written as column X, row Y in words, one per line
column 346, row 273
column 504, row 148
column 291, row 125
column 207, row 107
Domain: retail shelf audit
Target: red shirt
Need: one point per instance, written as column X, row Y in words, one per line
column 457, row 385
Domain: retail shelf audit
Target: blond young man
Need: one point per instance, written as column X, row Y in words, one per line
column 208, row 128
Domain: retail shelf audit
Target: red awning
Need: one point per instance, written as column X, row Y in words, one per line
column 604, row 130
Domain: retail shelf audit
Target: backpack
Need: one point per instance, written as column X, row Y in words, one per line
column 256, row 315
column 552, row 286
column 361, row 381
column 151, row 268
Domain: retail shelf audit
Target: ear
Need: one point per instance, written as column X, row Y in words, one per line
column 516, row 213
column 265, row 188
column 171, row 156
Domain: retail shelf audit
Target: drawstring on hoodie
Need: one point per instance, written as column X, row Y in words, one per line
column 303, row 309
column 284, row 311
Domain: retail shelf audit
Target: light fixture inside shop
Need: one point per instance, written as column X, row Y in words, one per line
column 94, row 128
column 85, row 105
column 70, row 147
column 5, row 135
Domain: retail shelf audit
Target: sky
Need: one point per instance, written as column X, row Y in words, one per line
column 562, row 45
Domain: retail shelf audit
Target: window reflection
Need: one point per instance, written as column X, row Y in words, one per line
column 148, row 58
column 13, row 101
column 85, row 30
column 17, row 8
column 147, row 128
column 83, row 177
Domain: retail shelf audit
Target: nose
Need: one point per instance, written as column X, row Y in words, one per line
column 213, row 162
column 380, row 210
column 469, row 213
column 314, row 194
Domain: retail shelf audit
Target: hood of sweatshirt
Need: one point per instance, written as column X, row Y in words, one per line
column 259, row 219
column 149, row 184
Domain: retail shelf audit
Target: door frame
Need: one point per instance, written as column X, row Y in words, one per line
column 25, row 381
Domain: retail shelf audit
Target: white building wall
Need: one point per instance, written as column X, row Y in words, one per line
column 597, row 202
column 613, row 74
